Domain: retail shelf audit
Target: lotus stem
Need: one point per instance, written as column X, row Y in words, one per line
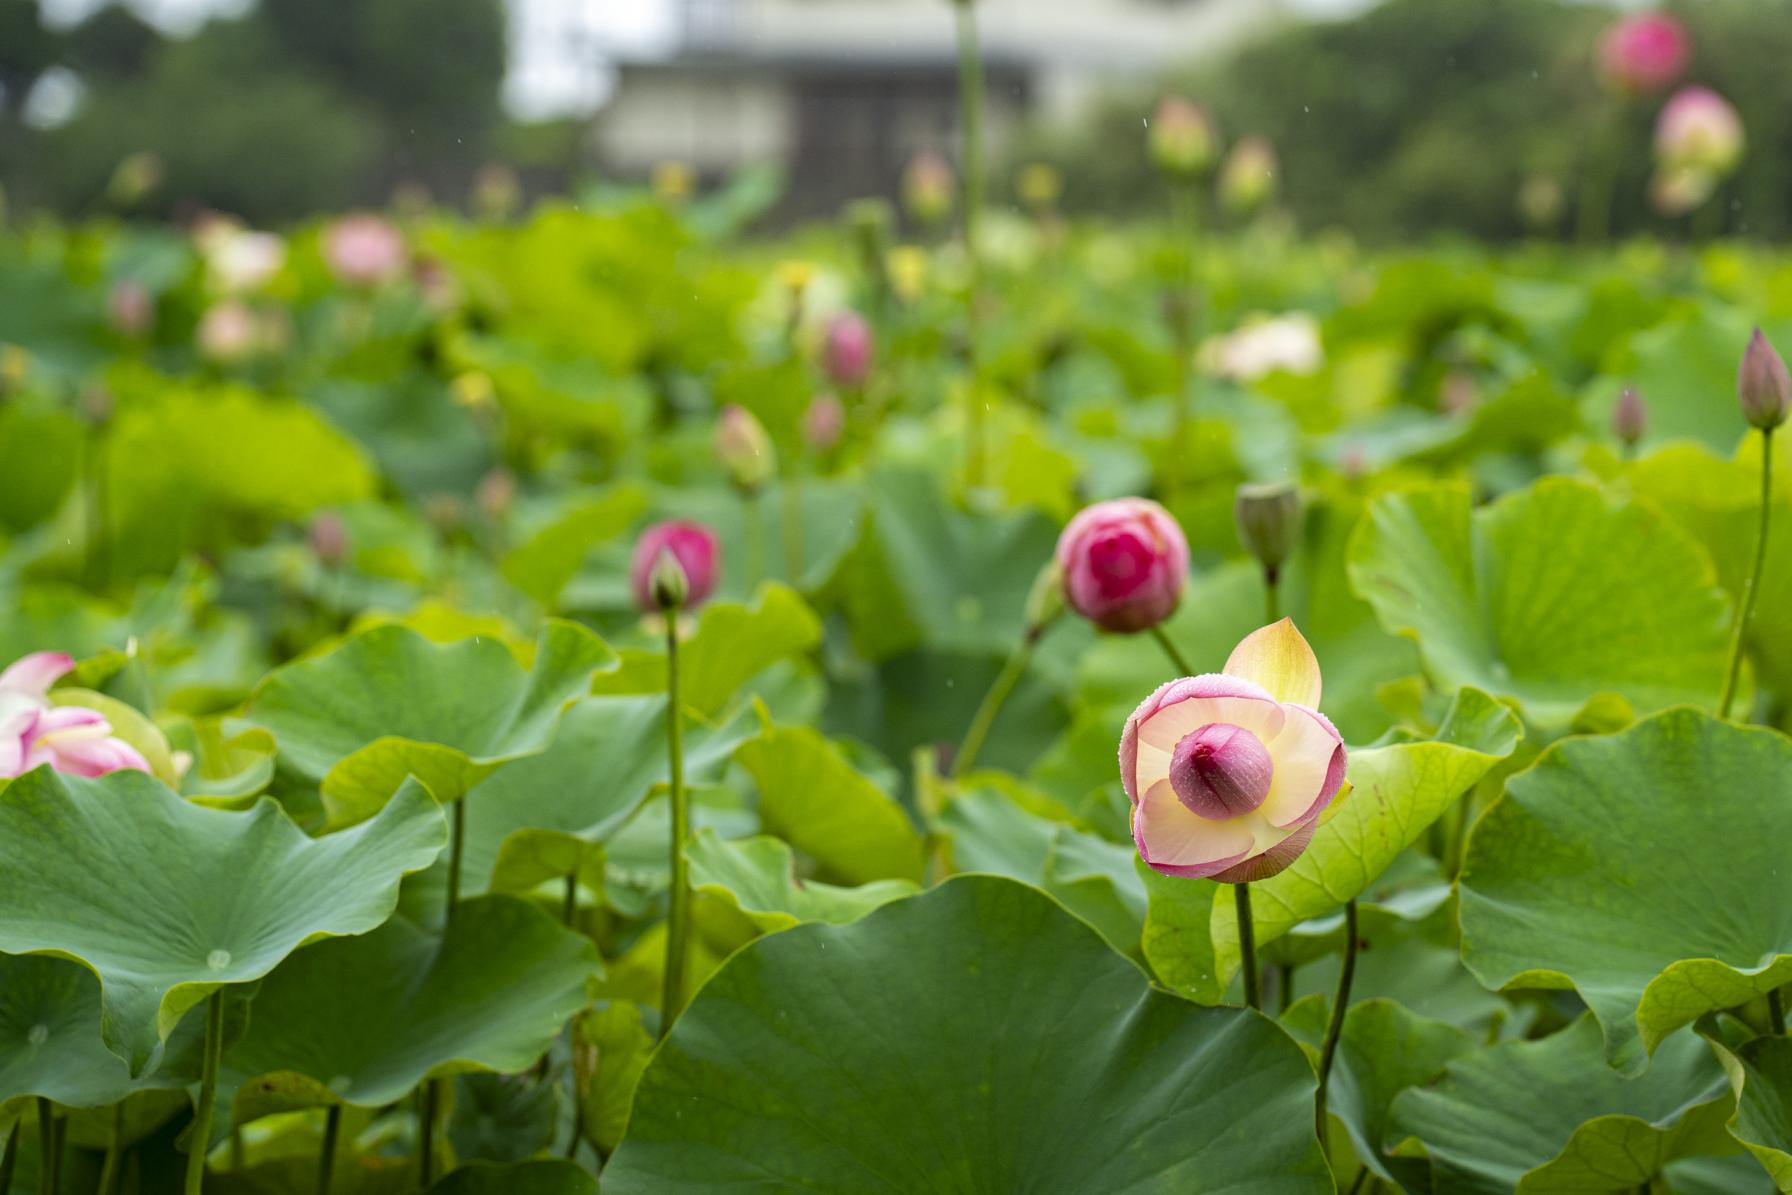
column 1272, row 595
column 1753, row 587
column 1163, row 641
column 47, row 1178
column 679, row 914
column 1247, row 946
column 114, row 1152
column 1776, row 1013
column 200, row 1144
column 457, row 839
column 326, row 1159
column 1340, row 1004
column 999, row 692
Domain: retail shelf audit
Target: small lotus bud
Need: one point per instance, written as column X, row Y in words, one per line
column 927, row 188
column 1269, row 518
column 329, row 539
column 1763, row 385
column 695, row 558
column 1221, row 771
column 1039, row 186
column 1183, row 138
column 229, row 332
column 1248, row 179
column 824, row 423
column 846, row 354
column 495, row 493
column 1125, row 562
column 130, row 308
column 744, row 449
column 1643, row 53
column 1045, row 601
column 1630, row 417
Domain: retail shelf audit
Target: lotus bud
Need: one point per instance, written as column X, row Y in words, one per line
column 1183, row 138
column 228, row 332
column 473, row 390
column 1248, row 178
column 744, row 449
column 130, row 308
column 1124, row 564
column 1763, row 385
column 495, row 493
column 927, row 188
column 329, row 539
column 846, row 353
column 1643, row 53
column 497, row 192
column 1221, row 771
column 673, row 182
column 675, row 564
column 364, row 250
column 824, row 423
column 1269, row 519
column 1630, row 417
column 1698, row 130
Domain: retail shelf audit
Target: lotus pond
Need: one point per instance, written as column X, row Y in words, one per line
column 506, row 706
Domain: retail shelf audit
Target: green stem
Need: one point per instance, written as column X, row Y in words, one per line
column 1747, row 608
column 970, row 100
column 457, row 839
column 1163, row 641
column 678, row 919
column 9, row 1157
column 999, row 692
column 791, row 495
column 1340, row 1004
column 46, row 1147
column 1247, row 946
column 1272, row 595
column 1284, row 987
column 114, row 1152
column 1776, row 1014
column 326, row 1159
column 201, row 1141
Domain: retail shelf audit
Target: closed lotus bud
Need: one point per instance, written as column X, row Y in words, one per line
column 1183, row 138
column 744, row 448
column 1125, row 562
column 228, row 332
column 1039, row 186
column 673, row 182
column 1643, row 53
column 329, row 539
column 1248, row 179
column 364, row 250
column 846, row 353
column 1228, row 773
column 824, row 423
column 1698, row 130
column 1269, row 518
column 1630, row 417
column 927, row 188
column 130, row 308
column 1763, row 385
column 676, row 564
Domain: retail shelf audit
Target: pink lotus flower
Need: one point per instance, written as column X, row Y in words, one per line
column 69, row 738
column 1124, row 563
column 846, row 354
column 364, row 250
column 1228, row 773
column 1698, row 131
column 1644, row 52
column 697, row 551
column 1183, row 137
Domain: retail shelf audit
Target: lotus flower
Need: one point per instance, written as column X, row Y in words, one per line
column 229, row 331
column 1228, row 773
column 744, row 448
column 364, row 250
column 237, row 259
column 69, row 738
column 1643, row 52
column 1698, row 131
column 1183, row 137
column 1248, row 179
column 1124, row 563
column 697, row 551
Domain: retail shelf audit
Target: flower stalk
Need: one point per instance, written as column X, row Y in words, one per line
column 200, row 1144
column 1747, row 607
column 678, row 916
column 1247, row 946
column 1340, row 1005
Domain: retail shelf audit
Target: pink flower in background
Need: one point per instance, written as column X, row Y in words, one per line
column 1228, row 773
column 1183, row 138
column 1698, row 131
column 130, row 308
column 824, row 423
column 228, row 331
column 1644, row 52
column 846, row 354
column 697, row 551
column 365, row 250
column 1124, row 562
column 928, row 186
column 237, row 259
column 69, row 738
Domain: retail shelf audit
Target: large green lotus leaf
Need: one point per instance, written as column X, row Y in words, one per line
column 1631, row 867
column 1397, row 791
column 1550, row 1116
column 974, row 1038
column 542, row 1176
column 363, row 1020
column 167, row 901
column 542, row 565
column 731, row 645
column 1761, row 1076
column 389, row 703
column 622, row 1045
column 1384, row 1048
column 756, row 879
column 1551, row 596
column 1178, row 936
column 810, row 796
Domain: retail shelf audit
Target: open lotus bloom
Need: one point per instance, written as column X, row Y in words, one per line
column 68, row 738
column 1229, row 772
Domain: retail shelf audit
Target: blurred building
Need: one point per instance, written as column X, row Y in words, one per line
column 843, row 92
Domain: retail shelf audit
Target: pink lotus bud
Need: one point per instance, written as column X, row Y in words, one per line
column 130, row 308
column 1763, row 385
column 329, row 539
column 1183, row 137
column 1248, row 179
column 1643, row 52
column 1125, row 562
column 744, row 448
column 228, row 332
column 364, row 250
column 846, row 355
column 1229, row 772
column 34, row 732
column 1630, row 417
column 1698, row 130
column 824, row 423
column 695, row 550
column 495, row 493
column 927, row 188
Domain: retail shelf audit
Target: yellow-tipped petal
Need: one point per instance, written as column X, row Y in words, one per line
column 1278, row 658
